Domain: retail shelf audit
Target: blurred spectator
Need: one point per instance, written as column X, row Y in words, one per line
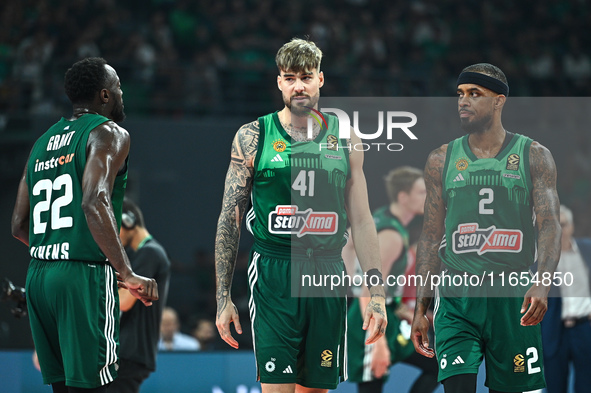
column 540, row 63
column 171, row 339
column 161, row 32
column 577, row 67
column 143, row 55
column 566, row 328
column 576, row 63
column 206, row 333
column 32, row 55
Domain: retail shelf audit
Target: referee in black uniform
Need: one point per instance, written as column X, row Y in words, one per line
column 140, row 326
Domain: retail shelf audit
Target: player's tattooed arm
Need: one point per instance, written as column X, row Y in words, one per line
column 235, row 201
column 428, row 263
column 546, row 207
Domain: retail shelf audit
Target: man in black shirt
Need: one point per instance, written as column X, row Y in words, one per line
column 140, row 326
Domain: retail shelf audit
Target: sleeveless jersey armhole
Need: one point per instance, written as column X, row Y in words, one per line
column 347, row 158
column 526, row 167
column 444, row 173
column 260, row 145
column 123, row 169
column 82, row 148
column 342, row 141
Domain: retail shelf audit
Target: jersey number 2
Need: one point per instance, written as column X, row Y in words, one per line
column 530, row 361
column 490, row 196
column 299, row 184
column 57, row 222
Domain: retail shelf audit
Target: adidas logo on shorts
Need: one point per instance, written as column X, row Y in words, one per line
column 458, row 360
column 288, row 370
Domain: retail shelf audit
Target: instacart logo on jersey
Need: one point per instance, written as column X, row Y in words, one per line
column 470, row 238
column 53, row 162
column 288, row 220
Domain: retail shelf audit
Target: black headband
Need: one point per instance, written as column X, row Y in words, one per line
column 485, row 81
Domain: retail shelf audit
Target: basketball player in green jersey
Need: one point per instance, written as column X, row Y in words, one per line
column 491, row 202
column 68, row 211
column 302, row 191
column 369, row 364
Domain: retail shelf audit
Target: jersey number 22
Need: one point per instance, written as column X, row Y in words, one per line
column 57, row 221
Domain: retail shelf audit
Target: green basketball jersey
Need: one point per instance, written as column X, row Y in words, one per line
column 57, row 227
column 384, row 219
column 489, row 225
column 298, row 191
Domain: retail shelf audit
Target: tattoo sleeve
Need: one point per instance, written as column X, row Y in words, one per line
column 376, row 308
column 546, row 207
column 235, row 201
column 428, row 263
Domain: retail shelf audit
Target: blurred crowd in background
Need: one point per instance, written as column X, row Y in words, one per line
column 188, row 58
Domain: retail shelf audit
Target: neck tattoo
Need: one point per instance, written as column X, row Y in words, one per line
column 300, row 134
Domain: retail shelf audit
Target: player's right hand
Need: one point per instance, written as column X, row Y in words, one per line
column 420, row 339
column 143, row 288
column 375, row 312
column 227, row 313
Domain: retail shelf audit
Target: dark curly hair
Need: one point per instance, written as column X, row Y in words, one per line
column 85, row 78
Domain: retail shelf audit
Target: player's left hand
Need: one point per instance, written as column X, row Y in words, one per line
column 120, row 282
column 143, row 288
column 419, row 336
column 537, row 299
column 226, row 314
column 376, row 310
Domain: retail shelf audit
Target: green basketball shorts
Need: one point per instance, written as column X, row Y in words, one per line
column 296, row 339
column 74, row 315
column 470, row 328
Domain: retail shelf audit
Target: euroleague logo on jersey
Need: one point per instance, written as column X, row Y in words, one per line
column 287, row 220
column 470, row 238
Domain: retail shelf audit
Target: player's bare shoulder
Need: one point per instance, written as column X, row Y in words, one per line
column 438, row 155
column 109, row 133
column 434, row 166
column 542, row 167
column 541, row 163
column 245, row 145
